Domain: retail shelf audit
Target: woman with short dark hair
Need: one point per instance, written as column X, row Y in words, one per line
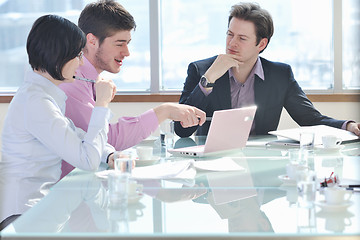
column 52, row 42
column 36, row 134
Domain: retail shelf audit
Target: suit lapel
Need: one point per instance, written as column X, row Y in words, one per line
column 261, row 96
column 221, row 91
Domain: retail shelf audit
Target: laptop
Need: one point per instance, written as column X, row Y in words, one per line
column 229, row 130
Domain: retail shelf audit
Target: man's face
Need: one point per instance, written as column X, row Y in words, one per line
column 241, row 40
column 112, row 51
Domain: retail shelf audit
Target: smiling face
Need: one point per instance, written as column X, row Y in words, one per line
column 241, row 40
column 109, row 55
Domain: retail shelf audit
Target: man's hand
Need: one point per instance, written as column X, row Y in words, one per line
column 188, row 115
column 221, row 65
column 354, row 128
column 105, row 92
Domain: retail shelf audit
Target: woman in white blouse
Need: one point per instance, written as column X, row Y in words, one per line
column 36, row 135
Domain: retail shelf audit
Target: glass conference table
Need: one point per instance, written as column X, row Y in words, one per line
column 254, row 203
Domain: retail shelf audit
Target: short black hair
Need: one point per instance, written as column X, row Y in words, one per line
column 104, row 18
column 52, row 42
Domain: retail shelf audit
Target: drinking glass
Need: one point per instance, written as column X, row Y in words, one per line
column 306, row 184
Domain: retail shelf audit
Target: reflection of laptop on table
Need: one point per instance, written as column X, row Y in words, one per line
column 229, row 129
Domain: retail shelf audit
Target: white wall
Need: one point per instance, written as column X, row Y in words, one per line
column 338, row 110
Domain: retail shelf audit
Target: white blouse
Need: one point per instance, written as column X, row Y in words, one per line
column 36, row 136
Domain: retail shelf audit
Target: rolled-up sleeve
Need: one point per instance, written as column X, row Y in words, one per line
column 129, row 131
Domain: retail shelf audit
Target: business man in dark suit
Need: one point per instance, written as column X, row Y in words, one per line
column 241, row 78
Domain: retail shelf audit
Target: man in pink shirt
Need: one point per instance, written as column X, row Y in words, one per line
column 108, row 27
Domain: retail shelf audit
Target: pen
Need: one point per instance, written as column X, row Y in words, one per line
column 84, row 79
column 350, row 186
column 208, row 119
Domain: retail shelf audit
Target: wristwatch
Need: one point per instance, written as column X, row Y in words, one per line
column 205, row 83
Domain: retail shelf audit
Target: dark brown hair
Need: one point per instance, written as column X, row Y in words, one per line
column 104, row 18
column 261, row 18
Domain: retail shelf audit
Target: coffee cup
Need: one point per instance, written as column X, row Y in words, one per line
column 336, row 195
column 337, row 223
column 134, row 188
column 144, row 152
column 331, row 141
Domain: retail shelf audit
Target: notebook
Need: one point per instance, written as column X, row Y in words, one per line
column 229, row 130
column 293, row 134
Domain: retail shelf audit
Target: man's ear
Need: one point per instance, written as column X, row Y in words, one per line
column 91, row 40
column 262, row 44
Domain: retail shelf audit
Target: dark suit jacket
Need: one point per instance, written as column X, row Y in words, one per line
column 279, row 89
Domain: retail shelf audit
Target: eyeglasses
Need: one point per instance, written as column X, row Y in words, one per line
column 80, row 55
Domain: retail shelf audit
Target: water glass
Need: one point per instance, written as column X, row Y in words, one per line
column 117, row 210
column 123, row 162
column 299, row 156
column 167, row 133
column 306, row 184
column 306, row 220
column 117, row 189
column 294, row 155
column 307, row 140
column 118, row 220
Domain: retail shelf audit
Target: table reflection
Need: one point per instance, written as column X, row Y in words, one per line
column 253, row 200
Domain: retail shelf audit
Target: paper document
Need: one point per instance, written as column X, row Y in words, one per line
column 168, row 170
column 184, row 169
column 179, row 169
column 319, row 130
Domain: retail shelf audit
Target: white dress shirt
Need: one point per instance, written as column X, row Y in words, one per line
column 36, row 136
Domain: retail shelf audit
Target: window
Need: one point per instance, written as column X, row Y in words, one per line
column 351, row 44
column 16, row 18
column 304, row 38
column 135, row 71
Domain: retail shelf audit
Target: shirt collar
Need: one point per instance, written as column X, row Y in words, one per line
column 87, row 70
column 50, row 88
column 257, row 70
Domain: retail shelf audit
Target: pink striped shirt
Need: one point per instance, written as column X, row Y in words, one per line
column 125, row 133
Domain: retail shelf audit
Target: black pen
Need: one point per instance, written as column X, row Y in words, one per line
column 84, row 79
column 350, row 186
